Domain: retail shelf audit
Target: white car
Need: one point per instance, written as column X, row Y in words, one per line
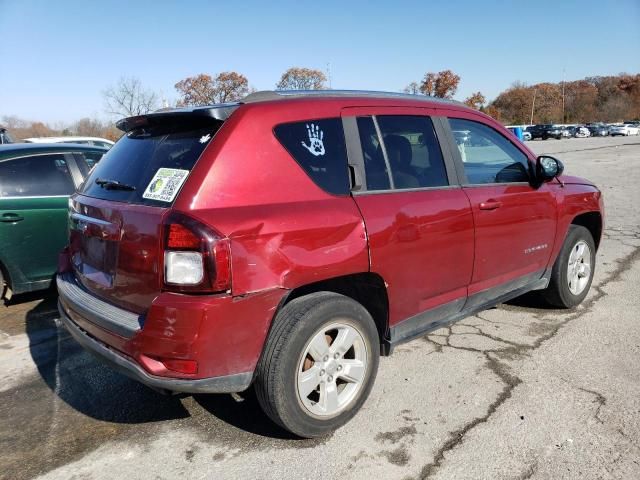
column 624, row 130
column 100, row 142
column 581, row 132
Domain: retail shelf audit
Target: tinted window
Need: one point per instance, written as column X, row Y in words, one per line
column 318, row 146
column 413, row 151
column 41, row 175
column 87, row 160
column 488, row 156
column 375, row 166
column 139, row 155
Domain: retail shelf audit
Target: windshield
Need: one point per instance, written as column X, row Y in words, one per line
column 149, row 165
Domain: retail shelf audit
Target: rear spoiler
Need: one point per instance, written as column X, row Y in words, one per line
column 218, row 112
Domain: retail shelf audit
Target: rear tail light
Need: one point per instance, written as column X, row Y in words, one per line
column 196, row 257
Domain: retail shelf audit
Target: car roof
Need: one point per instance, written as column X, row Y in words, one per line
column 18, row 149
column 66, row 139
column 270, row 95
column 222, row 111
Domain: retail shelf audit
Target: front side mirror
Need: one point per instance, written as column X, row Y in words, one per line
column 548, row 168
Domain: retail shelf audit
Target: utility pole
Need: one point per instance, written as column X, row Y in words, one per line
column 533, row 104
column 329, row 73
column 563, row 120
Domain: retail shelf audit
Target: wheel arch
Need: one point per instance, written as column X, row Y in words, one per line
column 592, row 221
column 366, row 288
column 5, row 280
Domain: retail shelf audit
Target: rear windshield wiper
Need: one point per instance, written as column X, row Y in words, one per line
column 113, row 184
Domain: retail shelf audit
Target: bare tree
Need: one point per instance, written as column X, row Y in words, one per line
column 128, row 98
column 88, row 127
column 412, row 88
column 297, row 78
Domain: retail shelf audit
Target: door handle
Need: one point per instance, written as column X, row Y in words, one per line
column 11, row 217
column 490, row 205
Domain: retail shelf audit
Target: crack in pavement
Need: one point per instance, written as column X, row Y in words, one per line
column 529, row 472
column 517, row 350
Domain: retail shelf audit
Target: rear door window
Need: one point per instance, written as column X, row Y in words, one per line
column 409, row 150
column 319, row 148
column 376, row 171
column 413, row 151
column 149, row 165
column 36, row 176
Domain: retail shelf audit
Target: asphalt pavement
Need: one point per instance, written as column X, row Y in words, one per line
column 515, row 392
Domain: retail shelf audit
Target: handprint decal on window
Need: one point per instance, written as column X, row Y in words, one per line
column 316, row 146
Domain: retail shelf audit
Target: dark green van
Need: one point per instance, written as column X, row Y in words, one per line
column 36, row 181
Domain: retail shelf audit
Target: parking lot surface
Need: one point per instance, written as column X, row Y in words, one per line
column 515, row 392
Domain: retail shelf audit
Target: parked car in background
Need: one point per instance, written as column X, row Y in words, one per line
column 626, row 130
column 95, row 141
column 521, row 130
column 5, row 136
column 580, row 131
column 566, row 132
column 554, row 131
column 539, row 131
column 193, row 265
column 598, row 130
column 35, row 184
column 526, row 135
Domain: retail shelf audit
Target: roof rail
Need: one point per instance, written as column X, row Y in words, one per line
column 267, row 95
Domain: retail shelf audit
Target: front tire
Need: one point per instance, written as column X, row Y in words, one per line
column 318, row 365
column 573, row 270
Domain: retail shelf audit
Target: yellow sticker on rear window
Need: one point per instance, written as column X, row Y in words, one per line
column 165, row 184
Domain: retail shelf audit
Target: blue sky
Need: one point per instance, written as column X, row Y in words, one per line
column 56, row 57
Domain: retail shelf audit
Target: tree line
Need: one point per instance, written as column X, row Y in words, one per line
column 597, row 98
column 601, row 98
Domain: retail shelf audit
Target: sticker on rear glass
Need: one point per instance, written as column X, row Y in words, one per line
column 165, row 184
column 316, row 144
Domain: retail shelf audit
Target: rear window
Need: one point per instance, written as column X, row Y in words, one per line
column 319, row 147
column 149, row 165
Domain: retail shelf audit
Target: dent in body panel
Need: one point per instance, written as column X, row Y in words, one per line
column 293, row 244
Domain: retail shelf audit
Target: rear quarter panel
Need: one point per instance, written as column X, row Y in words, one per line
column 285, row 231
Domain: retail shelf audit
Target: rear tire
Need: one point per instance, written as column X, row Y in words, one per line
column 318, row 365
column 3, row 286
column 573, row 270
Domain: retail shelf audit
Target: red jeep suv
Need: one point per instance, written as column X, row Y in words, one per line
column 288, row 240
